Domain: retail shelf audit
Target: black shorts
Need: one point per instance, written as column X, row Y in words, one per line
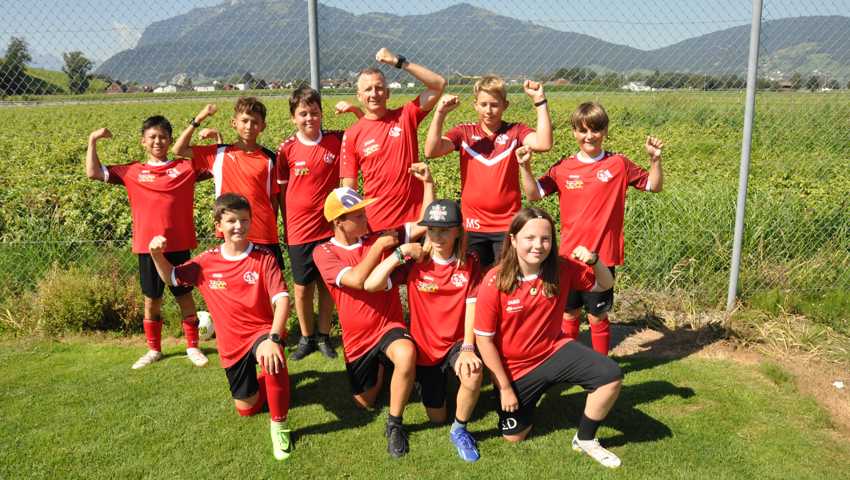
column 301, row 262
column 487, row 245
column 242, row 375
column 595, row 303
column 152, row 285
column 573, row 364
column 363, row 372
column 275, row 248
column 432, row 378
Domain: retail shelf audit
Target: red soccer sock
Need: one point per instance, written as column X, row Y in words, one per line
column 570, row 326
column 153, row 333
column 190, row 330
column 277, row 391
column 261, row 399
column 600, row 336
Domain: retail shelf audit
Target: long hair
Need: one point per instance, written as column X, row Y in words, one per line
column 459, row 250
column 507, row 280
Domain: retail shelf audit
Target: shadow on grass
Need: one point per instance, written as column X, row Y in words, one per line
column 332, row 391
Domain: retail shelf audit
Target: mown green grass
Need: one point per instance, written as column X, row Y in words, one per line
column 75, row 410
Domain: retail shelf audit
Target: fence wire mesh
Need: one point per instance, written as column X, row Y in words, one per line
column 675, row 70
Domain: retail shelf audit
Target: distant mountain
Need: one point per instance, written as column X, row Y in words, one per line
column 269, row 39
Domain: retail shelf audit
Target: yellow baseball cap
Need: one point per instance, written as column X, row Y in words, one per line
column 343, row 200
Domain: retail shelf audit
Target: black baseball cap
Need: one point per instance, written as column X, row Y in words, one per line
column 442, row 213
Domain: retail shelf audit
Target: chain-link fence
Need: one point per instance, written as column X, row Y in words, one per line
column 676, row 70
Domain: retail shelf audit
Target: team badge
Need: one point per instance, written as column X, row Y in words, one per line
column 329, row 158
column 502, row 139
column 395, row 131
column 250, row 277
column 604, row 175
column 458, row 279
column 438, row 213
column 172, row 172
column 533, row 291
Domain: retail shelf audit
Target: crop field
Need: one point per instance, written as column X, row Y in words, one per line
column 54, row 221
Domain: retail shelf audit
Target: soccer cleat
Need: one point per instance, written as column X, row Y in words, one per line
column 281, row 443
column 306, row 346
column 325, row 346
column 596, row 452
column 147, row 359
column 397, row 444
column 196, row 357
column 466, row 447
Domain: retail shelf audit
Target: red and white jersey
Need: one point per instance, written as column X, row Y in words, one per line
column 384, row 149
column 526, row 324
column 161, row 201
column 438, row 293
column 364, row 316
column 308, row 171
column 250, row 174
column 593, row 201
column 240, row 293
column 489, row 174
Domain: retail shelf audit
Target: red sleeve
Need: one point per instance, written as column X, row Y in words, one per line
column 282, row 165
column 549, row 181
column 203, row 156
column 117, row 173
column 637, row 175
column 328, row 263
column 455, row 135
column 580, row 275
column 487, row 306
column 414, row 112
column 349, row 165
column 523, row 131
column 189, row 273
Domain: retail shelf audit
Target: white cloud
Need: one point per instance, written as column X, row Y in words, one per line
column 127, row 36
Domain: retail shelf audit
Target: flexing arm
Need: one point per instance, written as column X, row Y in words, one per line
column 653, row 147
column 421, row 171
column 182, row 146
column 604, row 279
column 434, row 82
column 526, row 175
column 356, row 277
column 435, row 144
column 94, row 169
column 377, row 279
column 344, row 107
column 541, row 139
column 163, row 267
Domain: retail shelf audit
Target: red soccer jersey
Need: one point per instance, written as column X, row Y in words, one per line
column 438, row 293
column 592, row 201
column 489, row 174
column 161, row 201
column 526, row 324
column 308, row 171
column 240, row 293
column 250, row 174
column 364, row 316
column 384, row 149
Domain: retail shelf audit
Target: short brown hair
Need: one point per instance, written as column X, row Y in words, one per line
column 591, row 115
column 250, row 105
column 492, row 84
column 305, row 95
column 229, row 202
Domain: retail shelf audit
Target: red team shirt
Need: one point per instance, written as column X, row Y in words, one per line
column 161, row 201
column 309, row 171
column 438, row 292
column 592, row 202
column 364, row 316
column 384, row 149
column 526, row 324
column 250, row 174
column 489, row 174
column 240, row 293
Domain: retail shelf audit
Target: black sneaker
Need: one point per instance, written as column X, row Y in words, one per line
column 325, row 346
column 306, row 346
column 397, row 444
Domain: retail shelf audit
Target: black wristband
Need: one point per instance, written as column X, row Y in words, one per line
column 193, row 123
column 276, row 338
column 400, row 62
column 541, row 102
column 595, row 259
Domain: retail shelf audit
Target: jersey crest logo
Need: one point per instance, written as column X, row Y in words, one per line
column 250, row 277
column 458, row 279
column 172, row 172
column 329, row 158
column 604, row 175
column 438, row 213
column 395, row 131
column 502, row 139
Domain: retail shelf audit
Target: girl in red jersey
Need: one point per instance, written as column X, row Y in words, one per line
column 441, row 290
column 518, row 331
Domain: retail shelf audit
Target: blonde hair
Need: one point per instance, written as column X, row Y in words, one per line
column 459, row 250
column 492, row 84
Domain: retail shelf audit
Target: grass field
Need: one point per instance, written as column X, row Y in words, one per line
column 75, row 410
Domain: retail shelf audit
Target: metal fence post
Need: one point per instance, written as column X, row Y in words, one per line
column 313, row 21
column 743, row 174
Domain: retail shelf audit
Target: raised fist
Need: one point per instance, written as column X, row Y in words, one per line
column 208, row 111
column 100, row 133
column 421, row 171
column 582, row 254
column 157, row 244
column 653, row 147
column 523, row 154
column 384, row 55
column 534, row 90
column 447, row 103
column 342, row 107
column 210, row 133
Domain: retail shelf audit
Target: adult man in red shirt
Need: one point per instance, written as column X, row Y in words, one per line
column 383, row 144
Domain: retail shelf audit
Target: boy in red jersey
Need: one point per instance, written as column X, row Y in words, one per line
column 441, row 290
column 592, row 186
column 246, row 167
column 383, row 144
column 373, row 330
column 161, row 194
column 489, row 173
column 518, row 332
column 245, row 292
column 308, row 170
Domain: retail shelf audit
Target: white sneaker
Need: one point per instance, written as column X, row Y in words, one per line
column 147, row 359
column 596, row 452
column 196, row 357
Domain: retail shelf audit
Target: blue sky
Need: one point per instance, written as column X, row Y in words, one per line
column 101, row 28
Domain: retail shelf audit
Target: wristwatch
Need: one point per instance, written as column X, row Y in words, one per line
column 275, row 338
column 400, row 62
column 193, row 123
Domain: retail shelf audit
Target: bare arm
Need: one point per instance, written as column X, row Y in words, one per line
column 344, row 107
column 435, row 144
column 541, row 139
column 526, row 175
column 656, row 175
column 94, row 169
column 377, row 279
column 434, row 82
column 270, row 354
column 421, row 171
column 468, row 362
column 493, row 361
column 163, row 267
column 356, row 277
column 182, row 146
column 604, row 279
column 349, row 182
